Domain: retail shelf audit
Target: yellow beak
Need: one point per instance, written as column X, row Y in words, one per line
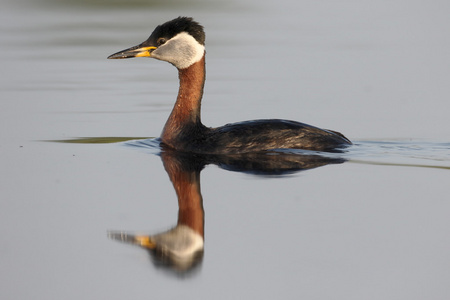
column 136, row 51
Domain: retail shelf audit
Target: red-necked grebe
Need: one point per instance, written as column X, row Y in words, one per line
column 181, row 42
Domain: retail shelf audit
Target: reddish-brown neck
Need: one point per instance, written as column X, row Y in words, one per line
column 186, row 110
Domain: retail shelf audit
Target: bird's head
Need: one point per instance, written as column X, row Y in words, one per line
column 180, row 42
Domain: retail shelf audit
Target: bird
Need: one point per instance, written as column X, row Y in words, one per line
column 181, row 42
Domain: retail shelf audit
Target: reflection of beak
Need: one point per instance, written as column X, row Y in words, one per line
column 136, row 51
column 145, row 241
column 141, row 240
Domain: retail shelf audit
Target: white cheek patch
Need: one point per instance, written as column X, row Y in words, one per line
column 182, row 51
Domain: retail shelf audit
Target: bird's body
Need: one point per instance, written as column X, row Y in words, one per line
column 253, row 136
column 181, row 42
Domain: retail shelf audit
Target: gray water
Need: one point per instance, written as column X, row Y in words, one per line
column 373, row 227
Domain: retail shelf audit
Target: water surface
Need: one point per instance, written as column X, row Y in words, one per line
column 372, row 227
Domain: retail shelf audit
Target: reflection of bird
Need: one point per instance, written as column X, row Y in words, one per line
column 181, row 42
column 180, row 248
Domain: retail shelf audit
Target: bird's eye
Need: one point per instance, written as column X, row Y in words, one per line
column 161, row 41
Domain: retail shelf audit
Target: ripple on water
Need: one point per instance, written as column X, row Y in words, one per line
column 151, row 145
column 401, row 153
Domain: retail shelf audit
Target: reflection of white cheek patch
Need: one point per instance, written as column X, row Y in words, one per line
column 182, row 51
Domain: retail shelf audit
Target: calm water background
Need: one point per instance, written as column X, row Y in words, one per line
column 376, row 227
